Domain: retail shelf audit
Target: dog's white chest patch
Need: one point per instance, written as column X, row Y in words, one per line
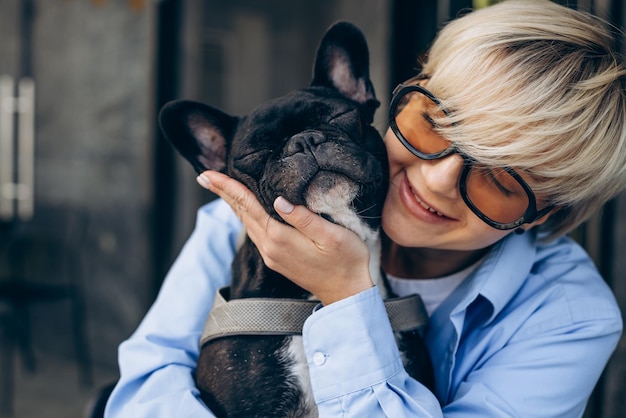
column 299, row 370
column 336, row 202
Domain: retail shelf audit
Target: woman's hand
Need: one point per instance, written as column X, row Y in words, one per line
column 326, row 259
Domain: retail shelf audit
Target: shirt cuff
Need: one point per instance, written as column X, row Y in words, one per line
column 350, row 346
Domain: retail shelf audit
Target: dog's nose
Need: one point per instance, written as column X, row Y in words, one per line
column 303, row 141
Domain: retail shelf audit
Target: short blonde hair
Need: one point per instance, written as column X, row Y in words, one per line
column 537, row 86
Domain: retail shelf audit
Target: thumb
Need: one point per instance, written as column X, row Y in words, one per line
column 325, row 234
column 283, row 206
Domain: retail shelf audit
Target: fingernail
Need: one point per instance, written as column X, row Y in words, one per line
column 203, row 181
column 282, row 205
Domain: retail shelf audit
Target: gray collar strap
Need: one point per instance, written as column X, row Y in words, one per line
column 265, row 316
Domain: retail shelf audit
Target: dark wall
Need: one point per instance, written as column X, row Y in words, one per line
column 92, row 66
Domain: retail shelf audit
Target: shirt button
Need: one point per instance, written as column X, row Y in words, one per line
column 319, row 358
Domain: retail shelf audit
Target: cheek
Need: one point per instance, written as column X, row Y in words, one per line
column 397, row 154
column 391, row 143
column 480, row 235
column 468, row 234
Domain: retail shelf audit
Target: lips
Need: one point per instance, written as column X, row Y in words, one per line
column 425, row 206
column 419, row 207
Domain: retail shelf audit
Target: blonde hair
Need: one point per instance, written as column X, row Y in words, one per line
column 537, row 86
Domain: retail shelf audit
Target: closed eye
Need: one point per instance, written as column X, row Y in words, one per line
column 493, row 178
column 254, row 154
column 338, row 115
column 429, row 120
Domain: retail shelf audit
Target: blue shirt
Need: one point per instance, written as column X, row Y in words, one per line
column 526, row 335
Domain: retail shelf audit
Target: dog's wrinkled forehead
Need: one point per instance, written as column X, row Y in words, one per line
column 306, row 109
column 270, row 126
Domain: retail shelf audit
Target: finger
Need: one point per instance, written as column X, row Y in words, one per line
column 270, row 236
column 325, row 234
column 258, row 223
column 239, row 197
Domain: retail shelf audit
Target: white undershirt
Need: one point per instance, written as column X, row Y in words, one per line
column 432, row 291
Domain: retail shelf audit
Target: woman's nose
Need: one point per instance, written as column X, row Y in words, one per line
column 441, row 176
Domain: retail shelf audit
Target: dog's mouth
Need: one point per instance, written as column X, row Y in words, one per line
column 335, row 197
column 340, row 181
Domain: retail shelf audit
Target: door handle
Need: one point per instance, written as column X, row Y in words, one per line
column 25, row 185
column 17, row 160
column 7, row 207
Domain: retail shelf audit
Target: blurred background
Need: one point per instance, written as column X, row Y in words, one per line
column 94, row 203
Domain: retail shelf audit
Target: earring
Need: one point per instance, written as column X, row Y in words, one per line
column 519, row 231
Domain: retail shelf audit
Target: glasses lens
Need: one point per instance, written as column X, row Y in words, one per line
column 414, row 119
column 496, row 194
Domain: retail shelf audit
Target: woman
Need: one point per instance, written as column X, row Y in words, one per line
column 512, row 135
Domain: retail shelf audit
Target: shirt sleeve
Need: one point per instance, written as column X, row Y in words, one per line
column 355, row 366
column 157, row 362
column 547, row 368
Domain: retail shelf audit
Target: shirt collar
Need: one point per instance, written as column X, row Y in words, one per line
column 501, row 274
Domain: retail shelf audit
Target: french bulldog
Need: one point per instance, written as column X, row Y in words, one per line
column 315, row 147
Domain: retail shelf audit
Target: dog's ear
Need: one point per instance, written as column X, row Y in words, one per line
column 200, row 133
column 342, row 63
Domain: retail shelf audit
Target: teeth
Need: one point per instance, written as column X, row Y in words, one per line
column 425, row 206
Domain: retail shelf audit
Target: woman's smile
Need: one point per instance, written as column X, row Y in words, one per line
column 417, row 205
column 423, row 207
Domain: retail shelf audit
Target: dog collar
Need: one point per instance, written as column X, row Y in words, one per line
column 267, row 316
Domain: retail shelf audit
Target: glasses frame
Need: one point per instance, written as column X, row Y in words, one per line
column 531, row 214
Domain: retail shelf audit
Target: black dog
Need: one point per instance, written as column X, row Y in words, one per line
column 315, row 147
